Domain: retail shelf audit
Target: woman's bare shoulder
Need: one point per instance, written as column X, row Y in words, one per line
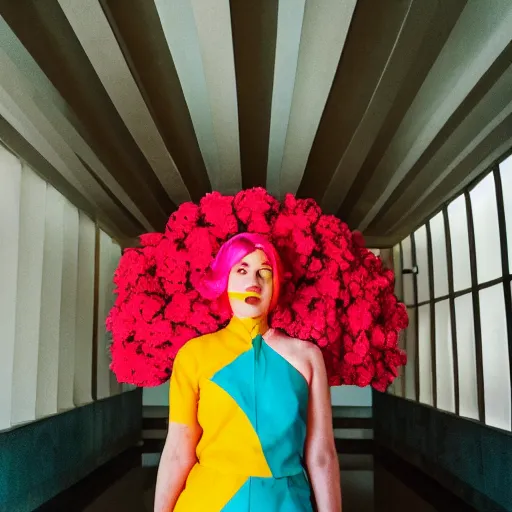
column 306, row 348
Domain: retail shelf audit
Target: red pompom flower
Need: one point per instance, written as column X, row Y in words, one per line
column 335, row 293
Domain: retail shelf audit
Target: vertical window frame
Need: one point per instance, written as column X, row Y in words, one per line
column 507, row 281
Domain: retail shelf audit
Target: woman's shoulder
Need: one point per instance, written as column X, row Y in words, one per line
column 302, row 346
column 303, row 351
column 196, row 347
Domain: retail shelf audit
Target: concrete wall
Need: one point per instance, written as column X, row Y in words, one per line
column 470, row 459
column 351, row 396
column 43, row 458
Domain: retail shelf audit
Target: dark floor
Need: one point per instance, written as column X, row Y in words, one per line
column 364, row 490
column 373, row 479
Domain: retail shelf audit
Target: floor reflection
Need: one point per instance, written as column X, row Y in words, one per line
column 364, row 490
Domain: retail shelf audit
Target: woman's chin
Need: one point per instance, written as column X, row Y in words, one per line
column 249, row 311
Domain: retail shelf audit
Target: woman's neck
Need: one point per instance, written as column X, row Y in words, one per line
column 254, row 326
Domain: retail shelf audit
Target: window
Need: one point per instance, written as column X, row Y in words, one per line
column 496, row 364
column 399, row 285
column 445, row 391
column 440, row 262
column 506, row 180
column 460, row 244
column 466, row 356
column 408, row 279
column 460, row 303
column 425, row 355
column 410, row 348
column 420, row 240
column 487, row 236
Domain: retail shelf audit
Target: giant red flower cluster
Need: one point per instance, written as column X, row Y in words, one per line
column 336, row 293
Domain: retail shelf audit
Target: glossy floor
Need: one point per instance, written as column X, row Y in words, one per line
column 364, row 490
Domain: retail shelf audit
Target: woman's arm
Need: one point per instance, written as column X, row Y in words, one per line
column 321, row 457
column 179, row 453
column 178, row 458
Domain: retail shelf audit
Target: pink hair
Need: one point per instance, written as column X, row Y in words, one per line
column 215, row 284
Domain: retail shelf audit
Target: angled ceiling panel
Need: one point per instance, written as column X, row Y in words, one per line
column 410, row 35
column 325, row 27
column 379, row 110
column 289, row 30
column 254, row 28
column 24, row 84
column 213, row 23
column 370, row 41
column 481, row 34
column 139, row 33
column 50, row 40
column 485, row 116
column 442, row 23
column 99, row 43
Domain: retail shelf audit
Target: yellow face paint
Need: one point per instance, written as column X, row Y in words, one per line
column 243, row 295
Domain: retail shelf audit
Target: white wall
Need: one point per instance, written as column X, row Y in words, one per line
column 47, row 276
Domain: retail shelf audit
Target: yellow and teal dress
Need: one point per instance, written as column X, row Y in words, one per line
column 252, row 406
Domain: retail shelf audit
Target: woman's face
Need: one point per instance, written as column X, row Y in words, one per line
column 250, row 286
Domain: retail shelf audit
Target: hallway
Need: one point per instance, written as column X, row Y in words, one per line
column 373, row 479
column 368, row 141
column 134, row 492
column 368, row 488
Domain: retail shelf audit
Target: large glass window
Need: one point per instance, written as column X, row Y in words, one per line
column 487, row 236
column 444, row 357
column 460, row 303
column 425, row 355
column 460, row 244
column 408, row 279
column 420, row 240
column 506, row 180
column 466, row 356
column 440, row 261
column 496, row 364
column 410, row 347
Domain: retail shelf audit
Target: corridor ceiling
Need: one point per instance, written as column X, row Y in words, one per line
column 378, row 109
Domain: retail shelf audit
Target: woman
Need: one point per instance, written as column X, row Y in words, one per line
column 250, row 409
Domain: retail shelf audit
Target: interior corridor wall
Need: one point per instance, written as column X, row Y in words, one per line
column 51, row 257
column 450, row 412
column 56, row 269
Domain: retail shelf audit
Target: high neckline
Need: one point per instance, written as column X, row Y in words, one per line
column 251, row 327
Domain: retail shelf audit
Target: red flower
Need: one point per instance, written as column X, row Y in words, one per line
column 359, row 316
column 151, row 239
column 182, row 220
column 363, row 376
column 335, row 293
column 218, row 214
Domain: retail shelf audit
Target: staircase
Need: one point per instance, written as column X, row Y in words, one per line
column 353, row 432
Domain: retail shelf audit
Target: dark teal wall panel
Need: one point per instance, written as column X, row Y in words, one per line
column 41, row 459
column 470, row 459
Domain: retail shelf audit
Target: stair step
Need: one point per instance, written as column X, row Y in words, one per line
column 344, row 422
column 155, row 423
column 353, row 433
column 355, row 462
column 343, row 446
column 339, row 411
column 354, row 446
